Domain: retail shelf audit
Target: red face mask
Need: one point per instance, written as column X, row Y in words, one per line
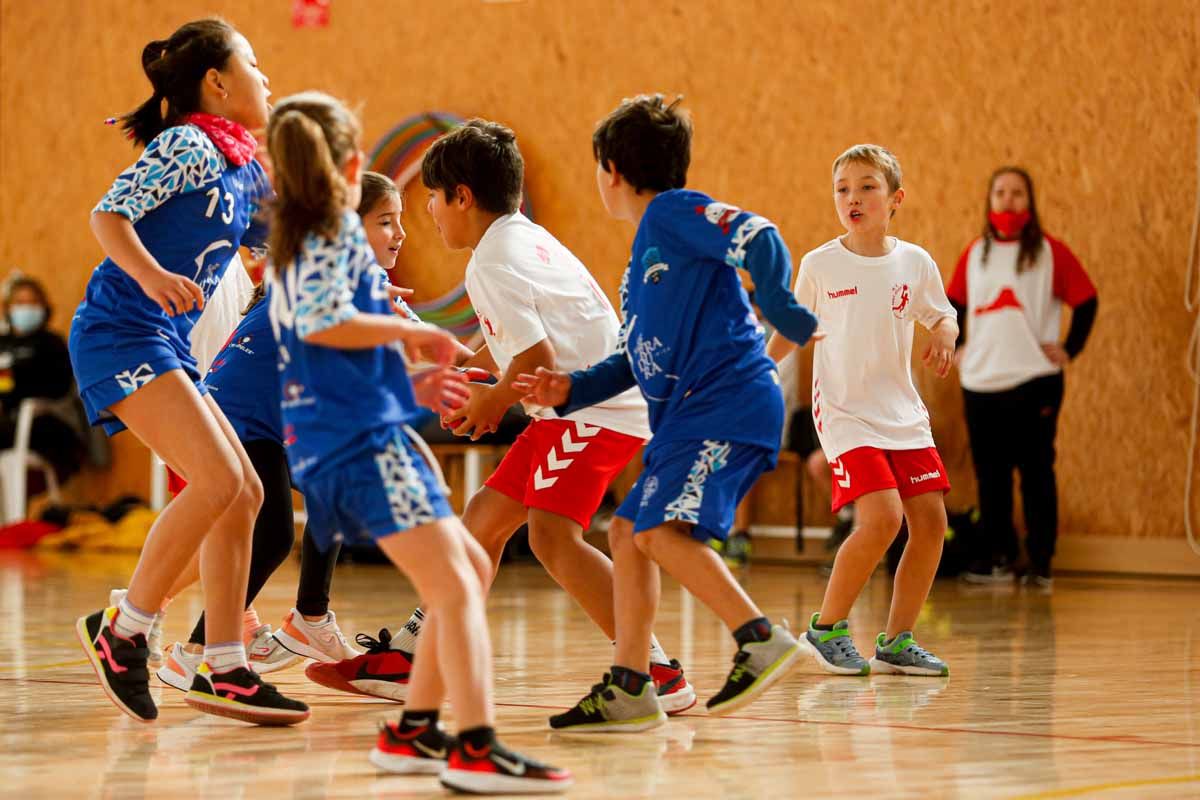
column 1008, row 224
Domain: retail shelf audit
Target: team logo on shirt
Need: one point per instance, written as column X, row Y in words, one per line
column 543, row 254
column 720, row 214
column 653, row 266
column 133, row 379
column 289, row 435
column 899, row 299
column 853, row 290
column 293, row 395
column 487, row 323
column 1006, row 299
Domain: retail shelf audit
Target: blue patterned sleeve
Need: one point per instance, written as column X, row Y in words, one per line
column 623, row 296
column 260, row 197
column 326, row 282
column 179, row 160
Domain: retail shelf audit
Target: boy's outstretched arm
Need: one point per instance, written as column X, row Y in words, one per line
column 770, row 267
column 569, row 392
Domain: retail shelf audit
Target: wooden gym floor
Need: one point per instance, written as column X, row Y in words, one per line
column 1089, row 691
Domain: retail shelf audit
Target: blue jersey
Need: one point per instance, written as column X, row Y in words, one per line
column 690, row 338
column 336, row 403
column 192, row 209
column 244, row 378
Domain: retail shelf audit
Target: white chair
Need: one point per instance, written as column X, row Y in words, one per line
column 158, row 490
column 17, row 460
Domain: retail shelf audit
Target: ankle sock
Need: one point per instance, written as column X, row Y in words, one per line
column 414, row 720
column 628, row 680
column 226, row 656
column 478, row 738
column 756, row 630
column 132, row 620
column 406, row 639
column 657, row 654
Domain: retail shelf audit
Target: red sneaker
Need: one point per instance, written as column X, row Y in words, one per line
column 675, row 694
column 379, row 672
column 494, row 769
column 422, row 751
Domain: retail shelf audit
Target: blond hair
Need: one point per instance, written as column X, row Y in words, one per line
column 874, row 156
column 310, row 137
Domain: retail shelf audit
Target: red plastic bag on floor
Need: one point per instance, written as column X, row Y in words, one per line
column 23, row 535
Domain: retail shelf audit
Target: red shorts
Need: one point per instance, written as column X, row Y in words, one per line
column 868, row 469
column 563, row 466
column 175, row 482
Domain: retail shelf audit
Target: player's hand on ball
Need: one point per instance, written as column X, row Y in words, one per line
column 545, row 387
column 431, row 343
column 477, row 416
column 442, row 390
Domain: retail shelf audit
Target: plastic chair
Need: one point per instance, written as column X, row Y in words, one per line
column 17, row 460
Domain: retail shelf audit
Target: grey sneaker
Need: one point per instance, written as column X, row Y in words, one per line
column 834, row 650
column 266, row 654
column 611, row 709
column 755, row 667
column 903, row 656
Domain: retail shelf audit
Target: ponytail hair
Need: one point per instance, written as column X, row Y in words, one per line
column 375, row 187
column 176, row 67
column 310, row 137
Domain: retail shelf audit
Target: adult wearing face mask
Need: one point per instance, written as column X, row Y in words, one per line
column 34, row 363
column 1009, row 288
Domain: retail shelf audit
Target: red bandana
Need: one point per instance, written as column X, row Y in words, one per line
column 230, row 138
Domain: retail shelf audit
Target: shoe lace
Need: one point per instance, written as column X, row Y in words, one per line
column 594, row 702
column 375, row 646
column 739, row 666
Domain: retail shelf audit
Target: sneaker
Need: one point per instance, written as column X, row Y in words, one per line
column 737, row 549
column 422, row 751
column 120, row 664
column 903, row 656
column 319, row 641
column 834, row 650
column 1038, row 575
column 675, row 694
column 611, row 709
column 154, row 640
column 756, row 666
column 240, row 694
column 180, row 670
column 265, row 653
column 379, row 672
column 495, row 769
column 984, row 572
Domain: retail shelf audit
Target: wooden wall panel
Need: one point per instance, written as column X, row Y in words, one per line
column 1097, row 98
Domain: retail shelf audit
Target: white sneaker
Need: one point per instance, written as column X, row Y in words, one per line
column 180, row 669
column 321, row 641
column 265, row 653
column 154, row 639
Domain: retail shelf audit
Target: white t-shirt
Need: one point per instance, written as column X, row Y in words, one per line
column 221, row 314
column 526, row 287
column 863, row 392
column 1011, row 313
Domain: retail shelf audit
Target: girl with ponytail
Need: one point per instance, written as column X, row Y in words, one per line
column 347, row 399
column 169, row 227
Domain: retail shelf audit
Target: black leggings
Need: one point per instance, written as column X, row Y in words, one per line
column 1009, row 430
column 274, row 535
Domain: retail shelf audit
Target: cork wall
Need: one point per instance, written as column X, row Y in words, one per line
column 1097, row 98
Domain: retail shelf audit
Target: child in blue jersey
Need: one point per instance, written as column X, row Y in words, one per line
column 169, row 227
column 244, row 379
column 692, row 345
column 346, row 400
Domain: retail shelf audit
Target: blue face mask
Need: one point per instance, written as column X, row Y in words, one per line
column 26, row 318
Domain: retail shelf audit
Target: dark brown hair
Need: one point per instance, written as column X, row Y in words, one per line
column 1031, row 235
column 375, row 187
column 32, row 284
column 176, row 67
column 310, row 136
column 648, row 141
column 483, row 156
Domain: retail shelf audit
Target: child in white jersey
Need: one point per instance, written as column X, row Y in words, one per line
column 868, row 289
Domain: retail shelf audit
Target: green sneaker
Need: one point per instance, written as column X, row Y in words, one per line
column 903, row 656
column 834, row 650
column 611, row 709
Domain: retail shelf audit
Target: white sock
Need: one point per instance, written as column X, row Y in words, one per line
column 657, row 654
column 131, row 620
column 226, row 656
column 406, row 639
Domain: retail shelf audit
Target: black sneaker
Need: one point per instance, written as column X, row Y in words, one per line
column 610, row 709
column 120, row 664
column 756, row 666
column 494, row 769
column 422, row 751
column 240, row 693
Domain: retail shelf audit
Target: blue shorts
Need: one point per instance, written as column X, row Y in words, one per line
column 111, row 363
column 697, row 482
column 383, row 490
